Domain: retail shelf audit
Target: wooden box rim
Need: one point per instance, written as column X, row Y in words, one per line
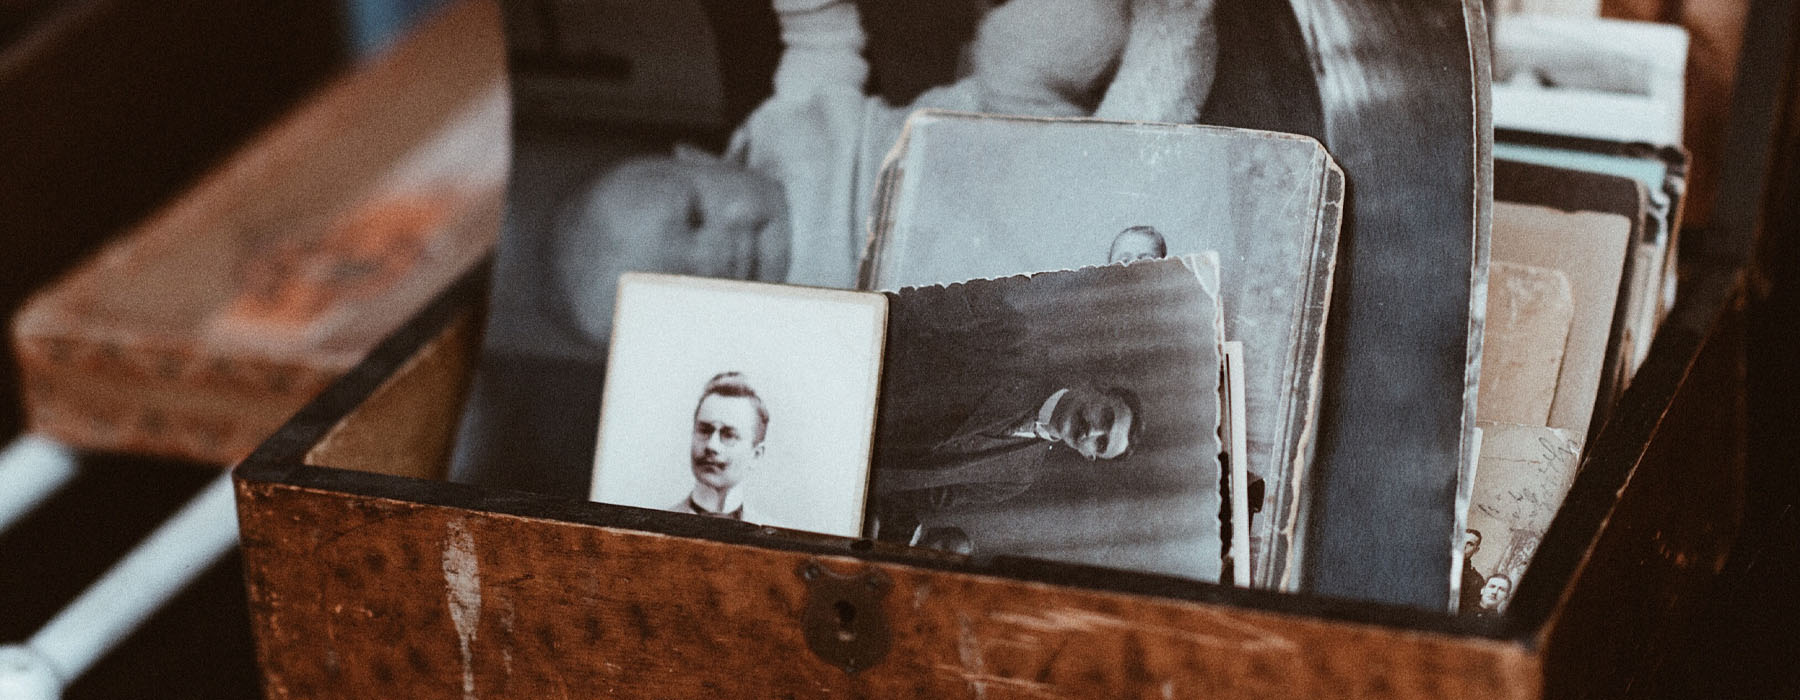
column 1713, row 290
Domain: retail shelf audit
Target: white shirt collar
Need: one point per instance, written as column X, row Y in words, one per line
column 704, row 496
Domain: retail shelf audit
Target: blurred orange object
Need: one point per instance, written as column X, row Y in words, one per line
column 196, row 333
column 291, row 289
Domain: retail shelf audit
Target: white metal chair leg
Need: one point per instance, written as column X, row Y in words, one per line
column 32, row 468
column 110, row 609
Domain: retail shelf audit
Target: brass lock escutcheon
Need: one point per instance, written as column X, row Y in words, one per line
column 843, row 620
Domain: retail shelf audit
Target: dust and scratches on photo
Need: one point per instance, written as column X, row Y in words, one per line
column 1066, row 415
column 740, row 400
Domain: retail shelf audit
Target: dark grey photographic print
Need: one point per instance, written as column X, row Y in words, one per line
column 1070, row 416
column 740, row 400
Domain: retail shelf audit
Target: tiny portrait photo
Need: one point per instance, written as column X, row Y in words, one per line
column 741, row 400
column 1070, row 416
column 1520, row 479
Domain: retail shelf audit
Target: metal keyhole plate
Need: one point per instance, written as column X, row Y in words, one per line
column 843, row 619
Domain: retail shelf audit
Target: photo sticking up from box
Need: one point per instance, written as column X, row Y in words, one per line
column 1070, row 416
column 1267, row 203
column 1232, row 451
column 1590, row 77
column 740, row 400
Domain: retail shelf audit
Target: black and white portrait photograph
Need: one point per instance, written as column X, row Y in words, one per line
column 755, row 129
column 739, row 400
column 1267, row 203
column 1067, row 415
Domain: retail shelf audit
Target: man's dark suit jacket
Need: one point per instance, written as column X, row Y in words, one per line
column 961, row 452
column 1472, row 582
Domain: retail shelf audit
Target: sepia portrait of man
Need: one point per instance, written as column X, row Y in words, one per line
column 1494, row 595
column 780, row 438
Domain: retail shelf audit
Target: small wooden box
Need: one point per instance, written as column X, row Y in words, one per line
column 366, row 585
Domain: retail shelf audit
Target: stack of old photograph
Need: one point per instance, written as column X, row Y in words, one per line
column 1589, row 177
column 1317, row 296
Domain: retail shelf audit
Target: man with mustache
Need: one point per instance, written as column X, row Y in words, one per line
column 730, row 422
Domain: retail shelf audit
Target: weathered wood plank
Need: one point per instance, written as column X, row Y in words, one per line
column 364, row 585
column 359, row 596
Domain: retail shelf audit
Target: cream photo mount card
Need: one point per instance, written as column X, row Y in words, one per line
column 741, row 400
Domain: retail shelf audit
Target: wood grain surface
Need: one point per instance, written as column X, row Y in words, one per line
column 405, row 427
column 363, row 596
column 1665, row 539
column 152, row 346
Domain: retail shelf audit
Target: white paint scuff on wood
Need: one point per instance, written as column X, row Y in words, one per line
column 462, row 581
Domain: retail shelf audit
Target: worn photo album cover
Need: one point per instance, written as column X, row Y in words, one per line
column 740, row 400
column 1591, row 77
column 1404, row 87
